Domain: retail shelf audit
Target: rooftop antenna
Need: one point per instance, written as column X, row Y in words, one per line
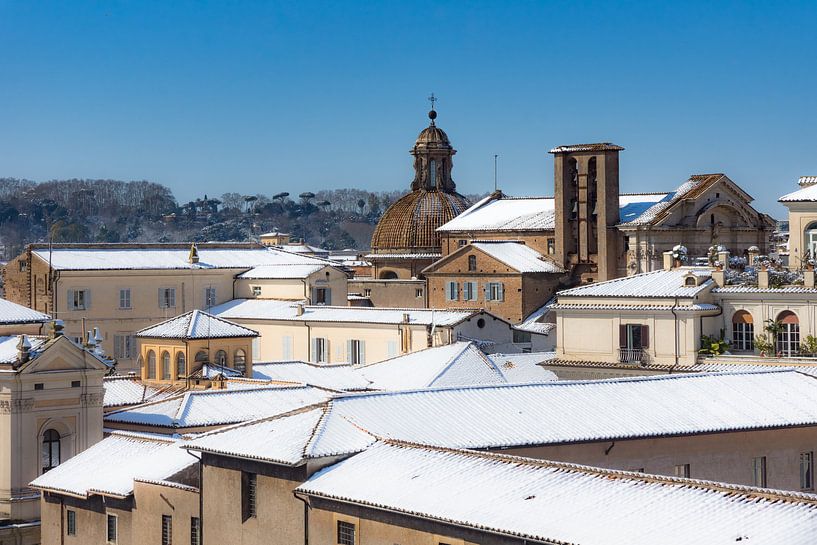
column 495, row 158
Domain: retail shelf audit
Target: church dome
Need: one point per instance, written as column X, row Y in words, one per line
column 410, row 224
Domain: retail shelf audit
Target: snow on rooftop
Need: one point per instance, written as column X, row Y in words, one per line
column 457, row 364
column 199, row 408
column 518, row 256
column 325, row 375
column 522, row 368
column 127, row 390
column 270, row 309
column 12, row 313
column 579, row 411
column 807, row 193
column 286, row 439
column 652, row 284
column 652, row 212
column 110, row 466
column 270, row 272
column 632, row 206
column 8, row 347
column 79, row 258
column 526, row 499
column 196, row 324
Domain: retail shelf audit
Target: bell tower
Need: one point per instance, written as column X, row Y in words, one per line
column 587, row 209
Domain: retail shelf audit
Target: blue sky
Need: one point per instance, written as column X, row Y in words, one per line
column 261, row 97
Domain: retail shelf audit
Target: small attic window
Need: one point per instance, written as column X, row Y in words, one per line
column 690, row 280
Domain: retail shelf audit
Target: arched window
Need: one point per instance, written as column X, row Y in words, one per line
column 151, row 364
column 240, row 361
column 165, row 365
column 51, row 449
column 743, row 331
column 221, row 357
column 181, row 367
column 201, row 356
column 690, row 281
column 388, row 275
column 810, row 240
column 472, row 262
column 788, row 339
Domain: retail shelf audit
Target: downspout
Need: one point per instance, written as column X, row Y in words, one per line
column 675, row 322
column 306, row 516
column 306, row 291
column 62, row 520
column 201, row 497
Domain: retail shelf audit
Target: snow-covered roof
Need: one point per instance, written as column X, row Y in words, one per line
column 269, row 272
column 270, row 309
column 302, row 248
column 199, row 408
column 518, row 256
column 12, row 313
column 286, row 439
column 533, row 322
column 598, row 146
column 404, row 256
column 457, row 364
column 495, row 416
column 654, row 212
column 335, row 376
column 807, row 180
column 660, row 284
column 696, row 307
column 553, row 502
column 8, row 347
column 196, row 324
column 109, row 467
column 81, row 258
column 504, row 213
column 755, row 289
column 522, row 368
column 807, row 193
column 127, row 390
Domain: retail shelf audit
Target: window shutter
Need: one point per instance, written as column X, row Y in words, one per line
column 87, row 300
column 161, row 299
column 328, row 296
column 645, row 336
column 326, row 357
column 71, row 300
column 256, row 348
column 349, row 358
column 362, row 353
column 501, row 292
column 171, row 300
column 313, row 357
column 622, row 336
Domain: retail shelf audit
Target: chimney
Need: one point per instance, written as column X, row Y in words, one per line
column 23, row 349
column 808, row 278
column 299, row 309
column 57, row 327
column 723, row 257
column 668, row 260
column 90, row 342
column 752, row 252
column 763, row 277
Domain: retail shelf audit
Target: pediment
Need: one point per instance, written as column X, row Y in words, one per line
column 62, row 355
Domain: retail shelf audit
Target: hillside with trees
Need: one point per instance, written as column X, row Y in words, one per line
column 142, row 211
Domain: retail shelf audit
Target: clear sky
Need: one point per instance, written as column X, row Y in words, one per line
column 261, row 97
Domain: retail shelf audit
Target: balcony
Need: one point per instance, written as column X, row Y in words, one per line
column 630, row 355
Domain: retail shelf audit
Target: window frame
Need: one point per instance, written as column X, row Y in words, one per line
column 249, row 496
column 195, row 531
column 452, row 291
column 52, row 444
column 494, row 291
column 209, row 297
column 167, row 298
column 111, row 517
column 70, row 522
column 807, row 470
column 126, row 292
column 345, row 532
column 759, row 471
column 167, row 529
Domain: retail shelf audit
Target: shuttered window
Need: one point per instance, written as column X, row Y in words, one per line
column 452, row 291
column 356, row 351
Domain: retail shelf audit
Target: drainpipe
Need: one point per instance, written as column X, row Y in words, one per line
column 306, row 516
column 675, row 322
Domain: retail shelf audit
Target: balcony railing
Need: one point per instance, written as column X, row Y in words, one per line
column 630, row 355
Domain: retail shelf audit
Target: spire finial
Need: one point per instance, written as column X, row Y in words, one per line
column 432, row 115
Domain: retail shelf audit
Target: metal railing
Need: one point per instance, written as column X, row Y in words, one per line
column 630, row 355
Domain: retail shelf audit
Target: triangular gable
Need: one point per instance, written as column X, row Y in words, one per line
column 434, row 267
column 61, row 354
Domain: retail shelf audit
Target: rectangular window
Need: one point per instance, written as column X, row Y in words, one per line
column 521, row 336
column 124, row 299
column 124, row 346
column 76, row 384
column 195, row 531
column 346, row 533
column 71, row 522
column 806, row 470
column 743, row 336
column 112, row 529
column 759, row 471
column 248, row 496
column 462, row 242
column 356, row 352
column 469, row 291
column 682, row 470
column 167, row 530
column 23, row 266
column 321, row 296
column 286, row 347
column 79, row 299
column 391, row 349
column 209, row 297
column 367, row 292
column 551, row 246
column 418, row 293
column 494, row 291
column 256, row 291
column 167, row 297
column 452, row 291
column 39, row 386
column 320, row 350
